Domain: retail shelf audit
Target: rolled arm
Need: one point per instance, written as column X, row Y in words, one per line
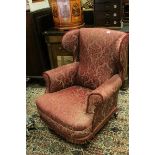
column 61, row 77
column 103, row 100
column 103, row 93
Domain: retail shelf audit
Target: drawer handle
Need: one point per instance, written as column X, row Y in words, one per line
column 115, row 6
column 115, row 22
column 115, row 14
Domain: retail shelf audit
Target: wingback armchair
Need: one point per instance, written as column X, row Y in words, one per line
column 81, row 97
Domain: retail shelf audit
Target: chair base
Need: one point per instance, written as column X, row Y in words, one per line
column 77, row 137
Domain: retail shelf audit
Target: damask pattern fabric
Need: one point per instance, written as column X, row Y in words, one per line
column 123, row 55
column 103, row 92
column 98, row 56
column 67, row 106
column 71, row 41
column 67, row 133
column 103, row 100
column 61, row 77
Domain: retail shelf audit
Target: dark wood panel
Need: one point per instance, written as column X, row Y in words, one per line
column 108, row 13
column 88, row 17
column 112, row 15
column 42, row 21
column 126, row 12
column 106, row 1
column 37, row 59
column 108, row 22
column 107, row 7
column 33, row 63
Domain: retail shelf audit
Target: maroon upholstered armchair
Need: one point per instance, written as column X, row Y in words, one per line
column 82, row 96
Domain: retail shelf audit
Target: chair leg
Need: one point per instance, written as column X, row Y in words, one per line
column 116, row 115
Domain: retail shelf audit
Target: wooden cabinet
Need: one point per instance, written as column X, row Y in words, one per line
column 37, row 60
column 108, row 13
column 126, row 11
column 58, row 56
column 33, row 62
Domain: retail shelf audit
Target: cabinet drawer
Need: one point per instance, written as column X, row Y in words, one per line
column 108, row 22
column 107, row 7
column 54, row 39
column 101, row 15
column 103, row 7
column 106, row 1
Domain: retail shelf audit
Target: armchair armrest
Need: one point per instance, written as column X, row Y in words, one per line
column 103, row 99
column 61, row 77
column 103, row 92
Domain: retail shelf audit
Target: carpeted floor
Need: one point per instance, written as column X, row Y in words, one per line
column 111, row 140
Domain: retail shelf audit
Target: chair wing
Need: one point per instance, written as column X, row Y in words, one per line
column 70, row 42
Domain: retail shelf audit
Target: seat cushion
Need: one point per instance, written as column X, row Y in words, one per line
column 67, row 107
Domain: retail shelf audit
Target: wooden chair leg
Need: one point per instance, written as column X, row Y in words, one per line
column 116, row 115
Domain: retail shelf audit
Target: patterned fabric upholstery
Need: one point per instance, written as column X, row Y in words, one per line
column 98, row 56
column 103, row 99
column 122, row 46
column 68, row 107
column 71, row 41
column 81, row 97
column 61, row 77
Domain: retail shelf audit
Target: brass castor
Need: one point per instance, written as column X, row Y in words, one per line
column 116, row 115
